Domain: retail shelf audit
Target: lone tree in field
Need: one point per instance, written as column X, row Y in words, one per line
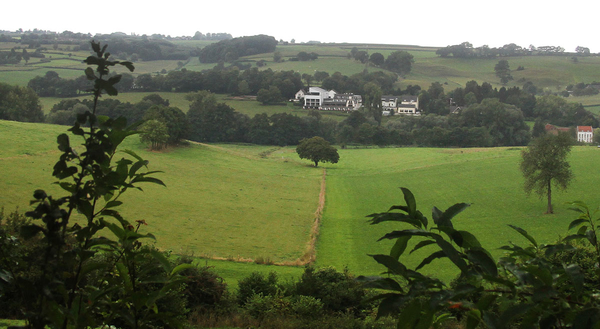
column 316, row 149
column 544, row 163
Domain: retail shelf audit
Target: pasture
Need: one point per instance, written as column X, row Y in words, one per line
column 227, row 202
column 238, row 202
column 368, row 180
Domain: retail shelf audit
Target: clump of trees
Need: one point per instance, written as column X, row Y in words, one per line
column 19, row 104
column 466, row 50
column 232, row 49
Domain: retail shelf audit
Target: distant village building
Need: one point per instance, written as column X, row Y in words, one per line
column 409, row 105
column 585, row 134
column 329, row 100
column 554, row 130
column 342, row 102
column 405, row 104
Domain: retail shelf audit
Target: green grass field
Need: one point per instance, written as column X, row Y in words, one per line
column 246, row 201
column 219, row 201
column 368, row 180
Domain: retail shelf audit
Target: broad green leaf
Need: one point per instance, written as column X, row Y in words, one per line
column 591, row 236
column 542, row 273
column 468, row 240
column 484, row 260
column 181, row 267
column 380, row 283
column 576, row 275
column 452, row 253
column 422, row 244
column 412, row 232
column 112, row 204
column 394, row 217
column 446, row 218
column 140, row 179
column 525, row 234
column 63, row 142
column 409, row 198
column 399, row 247
column 89, row 73
column 391, row 264
column 577, row 222
column 427, row 260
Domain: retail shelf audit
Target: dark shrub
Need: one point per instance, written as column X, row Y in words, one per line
column 257, row 283
column 338, row 291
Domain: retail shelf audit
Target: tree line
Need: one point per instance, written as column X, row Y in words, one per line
column 232, row 49
column 466, row 50
column 487, row 117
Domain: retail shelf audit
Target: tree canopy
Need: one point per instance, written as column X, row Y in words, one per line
column 317, row 149
column 544, row 163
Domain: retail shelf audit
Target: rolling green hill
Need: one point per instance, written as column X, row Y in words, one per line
column 245, row 201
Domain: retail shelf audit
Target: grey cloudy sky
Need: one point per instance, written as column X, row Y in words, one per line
column 424, row 23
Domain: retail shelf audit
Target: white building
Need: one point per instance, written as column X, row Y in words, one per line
column 408, row 105
column 585, row 134
column 315, row 96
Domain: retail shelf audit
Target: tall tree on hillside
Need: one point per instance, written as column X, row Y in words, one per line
column 372, row 102
column 544, row 163
column 503, row 71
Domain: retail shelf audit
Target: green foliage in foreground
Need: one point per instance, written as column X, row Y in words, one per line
column 526, row 287
column 78, row 278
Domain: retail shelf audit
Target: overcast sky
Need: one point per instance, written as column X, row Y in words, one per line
column 423, row 23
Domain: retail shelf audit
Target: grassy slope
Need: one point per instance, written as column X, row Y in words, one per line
column 367, row 181
column 218, row 201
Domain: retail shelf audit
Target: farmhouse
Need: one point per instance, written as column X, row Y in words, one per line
column 554, row 130
column 585, row 134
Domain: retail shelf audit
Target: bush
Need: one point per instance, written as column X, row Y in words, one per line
column 18, row 258
column 257, row 284
column 204, row 289
column 338, row 291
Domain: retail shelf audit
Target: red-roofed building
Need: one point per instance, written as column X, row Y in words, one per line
column 554, row 130
column 585, row 134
